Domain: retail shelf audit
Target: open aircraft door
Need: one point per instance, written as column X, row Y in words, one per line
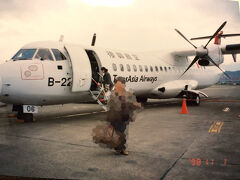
column 81, row 68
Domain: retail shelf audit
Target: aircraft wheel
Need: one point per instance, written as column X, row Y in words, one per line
column 196, row 100
column 193, row 100
column 142, row 99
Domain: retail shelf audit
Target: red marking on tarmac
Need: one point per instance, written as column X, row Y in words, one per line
column 215, row 100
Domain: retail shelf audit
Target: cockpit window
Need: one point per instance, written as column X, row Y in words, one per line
column 44, row 54
column 24, row 54
column 58, row 55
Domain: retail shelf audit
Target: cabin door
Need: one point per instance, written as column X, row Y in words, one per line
column 81, row 68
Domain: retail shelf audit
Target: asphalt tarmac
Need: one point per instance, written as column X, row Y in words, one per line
column 162, row 142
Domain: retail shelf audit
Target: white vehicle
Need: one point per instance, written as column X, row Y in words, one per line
column 48, row 73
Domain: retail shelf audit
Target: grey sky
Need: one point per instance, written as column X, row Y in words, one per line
column 142, row 26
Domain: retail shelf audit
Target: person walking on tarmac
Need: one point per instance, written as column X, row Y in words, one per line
column 107, row 81
column 122, row 107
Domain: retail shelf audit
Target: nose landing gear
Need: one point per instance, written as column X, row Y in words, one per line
column 25, row 117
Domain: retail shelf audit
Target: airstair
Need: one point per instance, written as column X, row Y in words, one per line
column 100, row 95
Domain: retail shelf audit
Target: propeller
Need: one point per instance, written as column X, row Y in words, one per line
column 202, row 52
column 185, row 38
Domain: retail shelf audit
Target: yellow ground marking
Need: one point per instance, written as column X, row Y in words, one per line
column 216, row 127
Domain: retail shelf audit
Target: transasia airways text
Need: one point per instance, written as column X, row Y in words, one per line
column 138, row 79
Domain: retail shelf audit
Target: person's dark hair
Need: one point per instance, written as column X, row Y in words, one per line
column 105, row 70
column 121, row 79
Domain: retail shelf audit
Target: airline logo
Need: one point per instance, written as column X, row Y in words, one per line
column 33, row 71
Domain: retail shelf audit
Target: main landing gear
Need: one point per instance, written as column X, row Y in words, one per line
column 25, row 117
column 193, row 99
column 142, row 99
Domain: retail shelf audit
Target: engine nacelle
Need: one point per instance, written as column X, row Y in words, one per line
column 215, row 53
column 203, row 62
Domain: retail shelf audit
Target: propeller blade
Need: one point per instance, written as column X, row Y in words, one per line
column 185, row 38
column 234, row 57
column 216, row 33
column 198, row 38
column 193, row 62
column 212, row 61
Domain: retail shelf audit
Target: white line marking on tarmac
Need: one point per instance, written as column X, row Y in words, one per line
column 82, row 114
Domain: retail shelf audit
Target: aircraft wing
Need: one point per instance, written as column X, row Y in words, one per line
column 184, row 53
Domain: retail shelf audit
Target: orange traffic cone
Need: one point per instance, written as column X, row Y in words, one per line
column 184, row 107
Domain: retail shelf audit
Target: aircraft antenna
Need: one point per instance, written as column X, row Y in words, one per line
column 94, row 39
column 61, row 38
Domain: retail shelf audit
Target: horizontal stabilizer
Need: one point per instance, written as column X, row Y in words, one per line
column 223, row 36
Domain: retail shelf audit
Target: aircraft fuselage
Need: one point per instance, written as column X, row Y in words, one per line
column 37, row 81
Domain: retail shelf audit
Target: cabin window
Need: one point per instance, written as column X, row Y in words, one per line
column 135, row 68
column 140, row 68
column 44, row 54
column 165, row 68
column 151, row 68
column 161, row 68
column 114, row 67
column 128, row 56
column 135, row 57
column 156, row 68
column 128, row 68
column 121, row 67
column 110, row 54
column 120, row 55
column 58, row 55
column 24, row 54
column 169, row 68
column 146, row 68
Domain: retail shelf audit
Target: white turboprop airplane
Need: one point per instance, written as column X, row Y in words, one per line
column 48, row 73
